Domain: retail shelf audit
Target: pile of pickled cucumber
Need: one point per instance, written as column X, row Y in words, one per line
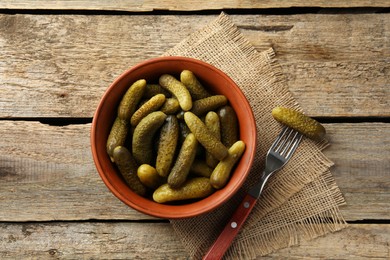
column 173, row 140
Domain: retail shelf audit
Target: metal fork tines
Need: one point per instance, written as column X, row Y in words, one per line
column 277, row 156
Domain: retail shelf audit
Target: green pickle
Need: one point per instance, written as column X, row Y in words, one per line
column 213, row 123
column 149, row 177
column 130, row 100
column 171, row 106
column 128, row 169
column 117, row 136
column 153, row 104
column 194, row 86
column 229, row 125
column 195, row 188
column 154, row 89
column 168, row 141
column 205, row 137
column 200, row 168
column 300, row 122
column 220, row 176
column 178, row 89
column 185, row 158
column 142, row 145
column 202, row 106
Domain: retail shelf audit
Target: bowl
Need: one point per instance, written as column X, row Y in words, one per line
column 216, row 82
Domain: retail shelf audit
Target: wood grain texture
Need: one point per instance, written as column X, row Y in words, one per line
column 47, row 173
column 356, row 242
column 157, row 241
column 89, row 241
column 186, row 5
column 355, row 147
column 60, row 65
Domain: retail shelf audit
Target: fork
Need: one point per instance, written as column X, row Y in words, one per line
column 277, row 156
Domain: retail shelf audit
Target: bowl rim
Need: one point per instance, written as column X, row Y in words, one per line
column 167, row 210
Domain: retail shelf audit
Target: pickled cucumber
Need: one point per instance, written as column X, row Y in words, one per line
column 153, row 104
column 212, row 123
column 154, row 89
column 195, row 188
column 128, row 169
column 117, row 136
column 185, row 158
column 142, row 145
column 200, row 168
column 149, row 177
column 300, row 122
column 130, row 100
column 229, row 125
column 168, row 140
column 193, row 85
column 178, row 89
column 205, row 137
column 204, row 105
column 222, row 171
column 171, row 106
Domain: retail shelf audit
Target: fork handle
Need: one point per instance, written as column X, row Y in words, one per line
column 218, row 249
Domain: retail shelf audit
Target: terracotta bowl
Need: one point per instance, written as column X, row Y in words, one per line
column 217, row 82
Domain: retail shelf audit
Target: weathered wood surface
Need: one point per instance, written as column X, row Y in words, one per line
column 186, row 5
column 47, row 173
column 335, row 65
column 124, row 240
column 59, row 66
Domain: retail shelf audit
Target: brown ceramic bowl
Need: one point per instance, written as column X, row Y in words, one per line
column 217, row 82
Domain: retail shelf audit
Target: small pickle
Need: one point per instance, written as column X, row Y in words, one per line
column 153, row 104
column 192, row 83
column 300, row 122
column 229, row 125
column 178, row 89
column 117, row 136
column 205, row 137
column 149, row 177
column 200, row 168
column 222, row 171
column 142, row 145
column 154, row 89
column 185, row 158
column 168, row 141
column 195, row 188
column 214, row 125
column 171, row 106
column 130, row 100
column 204, row 105
column 128, row 169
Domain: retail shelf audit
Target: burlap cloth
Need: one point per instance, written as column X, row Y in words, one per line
column 300, row 201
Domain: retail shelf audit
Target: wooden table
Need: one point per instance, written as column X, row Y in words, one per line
column 58, row 57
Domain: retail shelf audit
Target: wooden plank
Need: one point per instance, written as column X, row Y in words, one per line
column 47, row 173
column 89, row 241
column 335, row 65
column 361, row 153
column 356, row 242
column 158, row 241
column 185, row 5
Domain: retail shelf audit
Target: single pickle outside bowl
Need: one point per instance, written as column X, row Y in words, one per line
column 300, row 122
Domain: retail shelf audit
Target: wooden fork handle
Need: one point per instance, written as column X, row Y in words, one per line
column 218, row 249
